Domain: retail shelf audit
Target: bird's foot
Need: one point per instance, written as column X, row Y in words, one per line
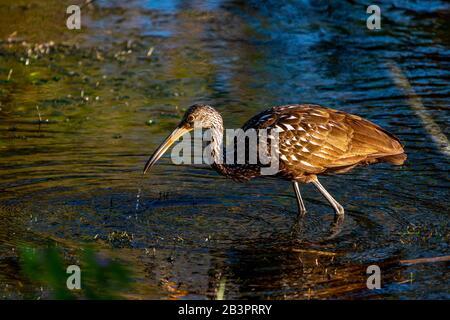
column 298, row 226
column 301, row 213
column 339, row 210
column 336, row 227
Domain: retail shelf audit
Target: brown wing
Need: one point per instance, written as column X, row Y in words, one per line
column 315, row 139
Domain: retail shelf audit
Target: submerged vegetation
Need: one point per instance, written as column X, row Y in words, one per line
column 100, row 278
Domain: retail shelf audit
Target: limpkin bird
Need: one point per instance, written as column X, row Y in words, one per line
column 313, row 140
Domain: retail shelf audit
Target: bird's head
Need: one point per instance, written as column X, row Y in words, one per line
column 197, row 116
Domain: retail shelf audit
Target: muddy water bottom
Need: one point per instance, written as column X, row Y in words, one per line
column 81, row 112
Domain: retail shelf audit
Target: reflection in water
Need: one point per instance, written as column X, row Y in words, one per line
column 334, row 229
column 70, row 169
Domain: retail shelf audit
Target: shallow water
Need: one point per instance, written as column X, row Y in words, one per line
column 75, row 134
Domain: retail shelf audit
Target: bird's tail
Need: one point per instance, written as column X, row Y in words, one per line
column 397, row 159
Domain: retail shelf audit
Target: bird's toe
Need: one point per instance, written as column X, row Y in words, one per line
column 340, row 210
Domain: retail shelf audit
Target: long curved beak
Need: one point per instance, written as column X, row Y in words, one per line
column 174, row 136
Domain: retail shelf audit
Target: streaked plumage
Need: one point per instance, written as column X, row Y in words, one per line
column 317, row 140
column 313, row 140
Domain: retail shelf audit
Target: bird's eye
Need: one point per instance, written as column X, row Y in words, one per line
column 190, row 118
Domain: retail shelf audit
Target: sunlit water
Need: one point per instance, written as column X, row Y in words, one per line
column 75, row 134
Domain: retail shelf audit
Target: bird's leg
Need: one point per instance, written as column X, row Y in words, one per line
column 301, row 205
column 337, row 207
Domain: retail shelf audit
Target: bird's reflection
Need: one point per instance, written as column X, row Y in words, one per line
column 280, row 271
column 298, row 231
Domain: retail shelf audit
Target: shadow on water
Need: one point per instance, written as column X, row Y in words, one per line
column 80, row 111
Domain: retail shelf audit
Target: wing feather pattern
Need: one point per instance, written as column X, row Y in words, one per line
column 314, row 139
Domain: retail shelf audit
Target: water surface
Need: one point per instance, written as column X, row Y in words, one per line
column 81, row 111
